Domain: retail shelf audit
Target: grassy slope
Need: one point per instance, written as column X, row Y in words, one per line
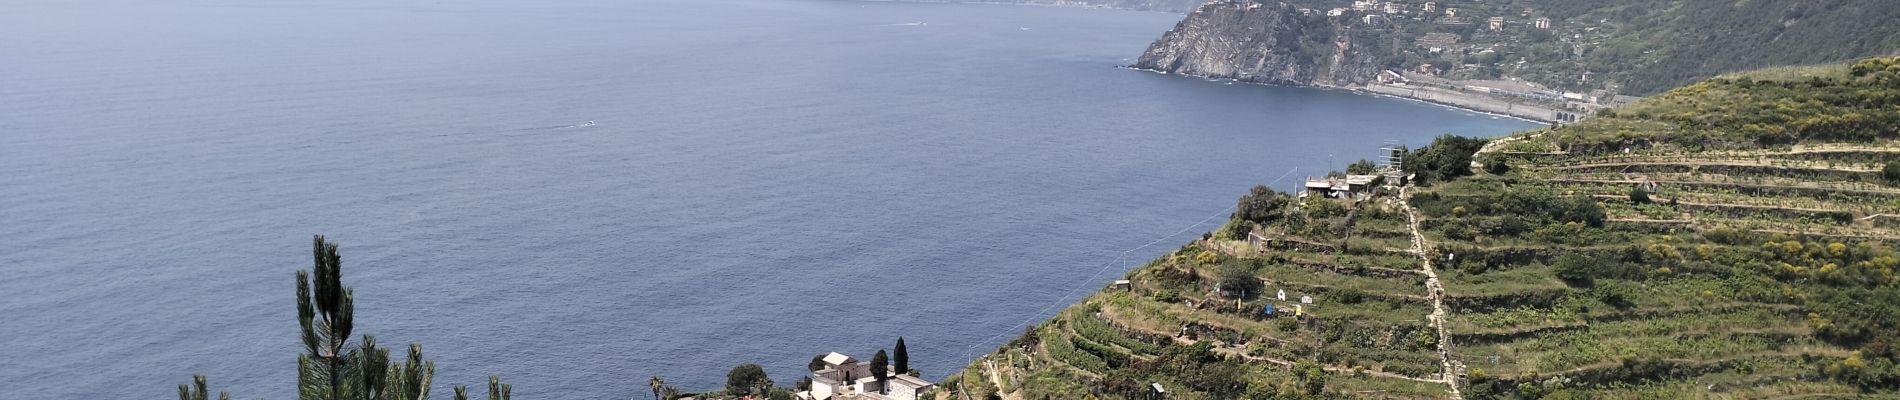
column 1763, row 268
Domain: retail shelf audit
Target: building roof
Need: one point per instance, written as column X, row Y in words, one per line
column 838, row 359
column 825, row 380
column 911, row 381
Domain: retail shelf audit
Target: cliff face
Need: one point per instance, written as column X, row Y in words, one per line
column 1266, row 43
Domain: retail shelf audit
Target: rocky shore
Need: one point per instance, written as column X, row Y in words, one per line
column 1278, row 44
column 1262, row 43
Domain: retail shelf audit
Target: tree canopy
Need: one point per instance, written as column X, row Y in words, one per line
column 1447, row 158
column 881, row 369
column 746, row 379
column 900, row 357
column 1261, row 204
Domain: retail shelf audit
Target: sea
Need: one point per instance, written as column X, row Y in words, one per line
column 577, row 195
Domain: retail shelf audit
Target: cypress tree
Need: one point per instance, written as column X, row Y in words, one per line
column 881, row 368
column 900, row 357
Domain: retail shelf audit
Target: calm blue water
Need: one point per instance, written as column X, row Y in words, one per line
column 765, row 181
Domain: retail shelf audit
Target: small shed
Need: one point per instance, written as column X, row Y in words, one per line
column 1156, row 392
column 1123, row 285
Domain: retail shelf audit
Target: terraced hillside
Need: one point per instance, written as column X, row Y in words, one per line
column 1730, row 239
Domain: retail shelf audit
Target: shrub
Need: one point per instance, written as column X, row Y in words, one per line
column 1362, row 167
column 1639, row 195
column 1235, row 229
column 1166, row 296
column 1238, row 278
column 1574, row 269
column 1261, row 204
column 1448, row 157
column 1497, row 167
column 1891, row 173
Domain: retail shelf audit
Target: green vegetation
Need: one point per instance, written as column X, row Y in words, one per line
column 1639, row 195
column 881, row 368
column 1636, row 47
column 1731, row 239
column 1447, row 158
column 900, row 358
column 1740, row 281
column 333, row 369
column 1260, row 205
column 748, row 379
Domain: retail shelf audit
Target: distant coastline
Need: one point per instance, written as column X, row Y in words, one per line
column 1477, row 104
column 1039, row 4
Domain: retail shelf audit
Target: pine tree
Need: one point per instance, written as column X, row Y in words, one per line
column 410, row 381
column 498, row 390
column 326, row 316
column 900, row 358
column 331, row 369
column 881, row 368
column 187, row 392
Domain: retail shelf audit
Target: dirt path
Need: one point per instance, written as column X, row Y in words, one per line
column 989, row 367
column 1495, row 144
column 1436, row 290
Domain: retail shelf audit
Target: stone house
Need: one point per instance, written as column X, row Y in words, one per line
column 846, row 378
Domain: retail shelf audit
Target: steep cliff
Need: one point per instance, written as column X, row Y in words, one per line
column 1266, row 43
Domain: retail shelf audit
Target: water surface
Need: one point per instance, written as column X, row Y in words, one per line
column 763, row 181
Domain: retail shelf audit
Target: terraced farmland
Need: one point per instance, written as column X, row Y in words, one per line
column 1730, row 239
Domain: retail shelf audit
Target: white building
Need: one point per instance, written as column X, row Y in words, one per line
column 846, row 378
column 1542, row 23
column 1335, row 12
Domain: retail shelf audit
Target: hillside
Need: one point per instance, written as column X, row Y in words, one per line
column 1733, row 238
column 1632, row 47
column 1265, row 43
